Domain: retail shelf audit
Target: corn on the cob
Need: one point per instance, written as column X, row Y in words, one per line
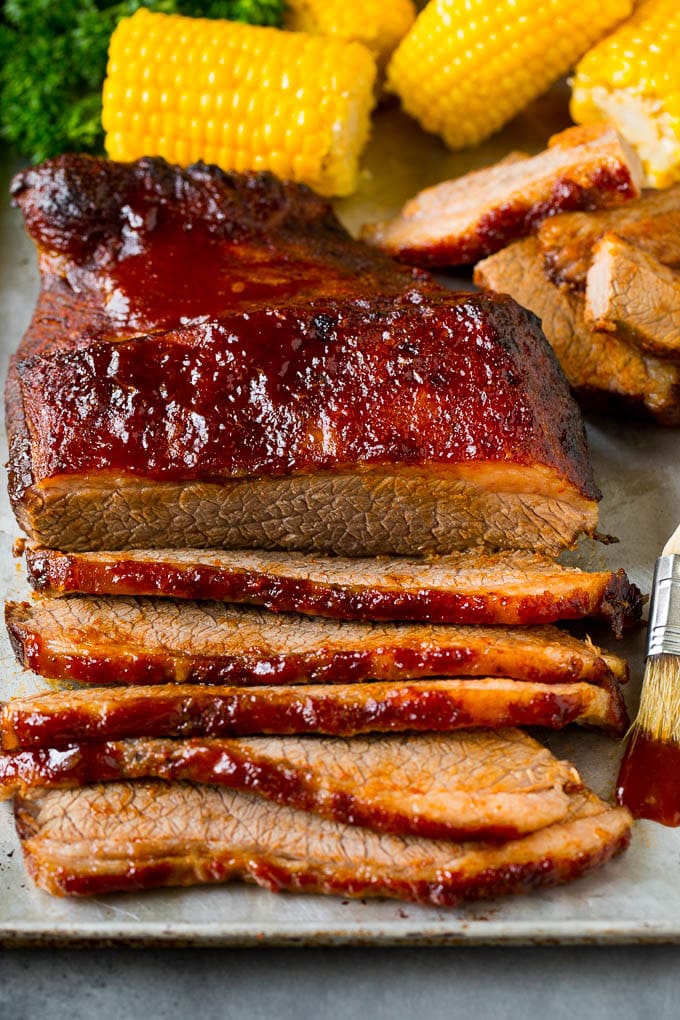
column 633, row 79
column 243, row 97
column 375, row 23
column 469, row 66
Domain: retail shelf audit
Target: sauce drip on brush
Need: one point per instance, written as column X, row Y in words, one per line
column 649, row 778
column 648, row 783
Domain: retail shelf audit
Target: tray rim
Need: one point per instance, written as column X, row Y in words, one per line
column 474, row 933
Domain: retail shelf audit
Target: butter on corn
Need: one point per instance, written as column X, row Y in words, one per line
column 240, row 96
column 467, row 67
column 633, row 79
column 378, row 24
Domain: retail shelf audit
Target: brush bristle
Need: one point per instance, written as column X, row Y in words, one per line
column 659, row 713
column 672, row 546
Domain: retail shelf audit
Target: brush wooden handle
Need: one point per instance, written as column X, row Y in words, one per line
column 672, row 546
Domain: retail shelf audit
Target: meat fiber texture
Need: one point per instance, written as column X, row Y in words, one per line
column 633, row 294
column 471, row 784
column 358, row 418
column 461, row 221
column 127, row 836
column 602, row 367
column 472, row 587
column 141, row 640
column 651, row 224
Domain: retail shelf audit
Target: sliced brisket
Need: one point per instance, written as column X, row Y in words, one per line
column 603, row 369
column 464, row 220
column 631, row 293
column 137, row 641
column 470, row 588
column 650, row 223
column 126, row 836
column 57, row 719
column 472, row 784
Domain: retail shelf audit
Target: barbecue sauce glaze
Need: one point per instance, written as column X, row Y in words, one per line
column 268, row 340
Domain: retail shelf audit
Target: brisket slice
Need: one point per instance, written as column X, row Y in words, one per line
column 299, row 371
column 602, row 368
column 377, row 411
column 631, row 293
column 58, row 719
column 650, row 223
column 126, row 836
column 470, row 588
column 137, row 641
column 463, row 220
column 471, row 784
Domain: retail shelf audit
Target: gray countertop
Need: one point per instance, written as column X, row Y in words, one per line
column 383, row 984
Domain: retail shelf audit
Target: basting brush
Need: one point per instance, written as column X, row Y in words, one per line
column 649, row 778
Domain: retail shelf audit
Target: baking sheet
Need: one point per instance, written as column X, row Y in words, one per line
column 635, row 898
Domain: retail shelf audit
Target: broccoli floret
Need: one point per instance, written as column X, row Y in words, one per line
column 53, row 56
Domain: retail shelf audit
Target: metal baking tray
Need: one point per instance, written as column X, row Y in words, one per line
column 635, row 898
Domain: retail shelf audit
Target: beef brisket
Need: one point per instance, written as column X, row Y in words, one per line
column 57, row 719
column 631, row 293
column 137, row 641
column 471, row 784
column 470, row 588
column 380, row 414
column 292, row 389
column 126, row 836
column 464, row 220
column 650, row 223
column 603, row 369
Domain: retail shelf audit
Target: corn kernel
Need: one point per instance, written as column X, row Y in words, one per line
column 468, row 66
column 240, row 96
column 633, row 79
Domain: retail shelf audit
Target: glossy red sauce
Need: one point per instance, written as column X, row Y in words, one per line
column 649, row 780
column 158, row 245
column 180, row 272
column 276, row 392
column 404, row 378
column 242, row 712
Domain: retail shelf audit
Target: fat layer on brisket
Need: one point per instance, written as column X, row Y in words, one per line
column 126, row 836
column 470, row 784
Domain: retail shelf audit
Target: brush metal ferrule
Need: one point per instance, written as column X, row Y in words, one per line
column 663, row 636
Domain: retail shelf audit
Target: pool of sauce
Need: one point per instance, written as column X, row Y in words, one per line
column 180, row 273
